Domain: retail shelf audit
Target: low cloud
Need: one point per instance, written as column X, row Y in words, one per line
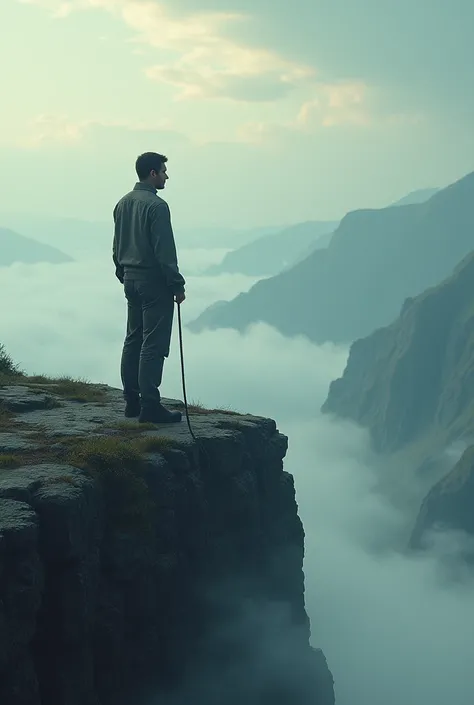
column 396, row 627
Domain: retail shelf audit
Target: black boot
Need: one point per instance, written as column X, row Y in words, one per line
column 132, row 408
column 159, row 414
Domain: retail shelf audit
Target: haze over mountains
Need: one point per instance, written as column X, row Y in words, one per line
column 375, row 259
column 17, row 248
column 343, row 517
column 271, row 253
column 274, row 252
column 84, row 239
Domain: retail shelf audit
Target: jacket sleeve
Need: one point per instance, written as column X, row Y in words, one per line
column 119, row 273
column 164, row 246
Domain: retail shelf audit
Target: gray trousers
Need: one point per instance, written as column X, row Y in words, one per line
column 150, row 307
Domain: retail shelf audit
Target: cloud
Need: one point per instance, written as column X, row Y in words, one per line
column 362, row 42
column 396, row 628
column 337, row 104
column 63, row 131
column 58, row 129
column 202, row 60
column 332, row 105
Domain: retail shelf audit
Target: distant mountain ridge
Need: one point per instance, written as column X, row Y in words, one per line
column 273, row 252
column 374, row 261
column 18, row 248
column 418, row 196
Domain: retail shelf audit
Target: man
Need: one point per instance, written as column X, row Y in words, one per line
column 144, row 254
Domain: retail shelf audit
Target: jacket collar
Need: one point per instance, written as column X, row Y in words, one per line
column 140, row 186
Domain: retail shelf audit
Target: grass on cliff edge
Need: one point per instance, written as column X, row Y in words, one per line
column 80, row 390
column 197, row 408
column 116, row 463
column 119, row 467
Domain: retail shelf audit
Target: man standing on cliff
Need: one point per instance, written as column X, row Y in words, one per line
column 144, row 254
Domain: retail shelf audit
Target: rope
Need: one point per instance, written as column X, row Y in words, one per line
column 183, row 376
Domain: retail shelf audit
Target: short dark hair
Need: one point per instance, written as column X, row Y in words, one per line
column 148, row 162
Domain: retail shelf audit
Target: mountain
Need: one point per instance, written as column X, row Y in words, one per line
column 415, row 376
column 448, row 506
column 375, row 260
column 273, row 252
column 221, row 237
column 80, row 239
column 411, row 384
column 17, row 248
column 419, row 196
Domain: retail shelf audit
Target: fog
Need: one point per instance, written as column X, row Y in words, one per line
column 397, row 628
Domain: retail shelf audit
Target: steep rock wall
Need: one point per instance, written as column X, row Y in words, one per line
column 137, row 567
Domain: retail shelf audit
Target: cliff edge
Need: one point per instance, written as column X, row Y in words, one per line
column 138, row 567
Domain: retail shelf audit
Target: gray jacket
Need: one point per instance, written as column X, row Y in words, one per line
column 144, row 246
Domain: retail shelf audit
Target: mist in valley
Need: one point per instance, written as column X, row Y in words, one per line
column 395, row 627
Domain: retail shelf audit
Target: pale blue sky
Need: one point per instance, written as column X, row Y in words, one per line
column 269, row 111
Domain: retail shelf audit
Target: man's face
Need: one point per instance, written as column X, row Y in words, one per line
column 160, row 177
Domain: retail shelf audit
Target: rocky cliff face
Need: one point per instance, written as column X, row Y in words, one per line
column 412, row 385
column 416, row 375
column 448, row 505
column 139, row 567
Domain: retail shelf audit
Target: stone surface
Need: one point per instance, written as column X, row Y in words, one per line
column 12, row 443
column 181, row 578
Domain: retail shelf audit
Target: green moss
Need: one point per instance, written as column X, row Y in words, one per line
column 153, row 444
column 198, row 408
column 80, row 390
column 7, row 460
column 102, row 452
column 119, row 466
column 131, row 427
column 117, row 463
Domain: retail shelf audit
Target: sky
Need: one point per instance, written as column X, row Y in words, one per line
column 396, row 628
column 270, row 112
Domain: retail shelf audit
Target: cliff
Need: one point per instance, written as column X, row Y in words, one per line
column 374, row 261
column 139, row 567
column 417, row 374
column 412, row 385
column 448, row 506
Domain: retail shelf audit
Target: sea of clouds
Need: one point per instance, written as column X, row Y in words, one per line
column 395, row 629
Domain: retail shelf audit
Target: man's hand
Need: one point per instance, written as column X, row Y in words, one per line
column 179, row 298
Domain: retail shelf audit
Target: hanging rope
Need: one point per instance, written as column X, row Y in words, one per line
column 183, row 376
